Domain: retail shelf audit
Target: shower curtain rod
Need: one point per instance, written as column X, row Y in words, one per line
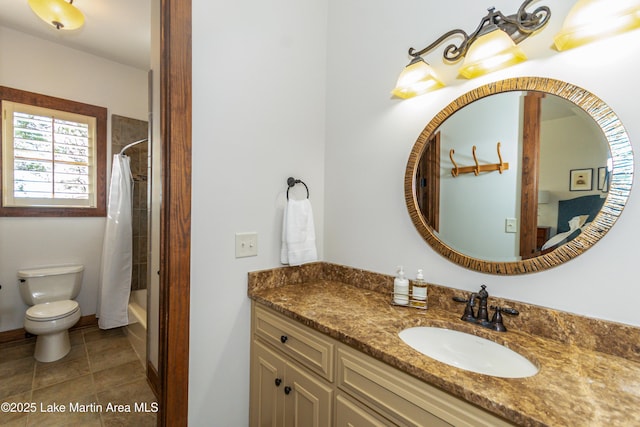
column 131, row 145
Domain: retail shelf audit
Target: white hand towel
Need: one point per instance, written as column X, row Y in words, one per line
column 298, row 233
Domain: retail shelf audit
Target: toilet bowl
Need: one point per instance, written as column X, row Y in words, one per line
column 50, row 321
column 50, row 292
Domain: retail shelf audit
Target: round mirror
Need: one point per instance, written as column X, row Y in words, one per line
column 519, row 175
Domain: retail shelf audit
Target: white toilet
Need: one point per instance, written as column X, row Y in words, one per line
column 50, row 292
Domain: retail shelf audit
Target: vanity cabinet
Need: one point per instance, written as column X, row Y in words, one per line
column 350, row 412
column 300, row 377
column 403, row 399
column 291, row 373
column 283, row 394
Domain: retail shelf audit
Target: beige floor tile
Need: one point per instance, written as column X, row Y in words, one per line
column 116, row 342
column 19, row 350
column 137, row 392
column 77, row 351
column 18, row 382
column 118, row 375
column 17, row 366
column 18, row 418
column 101, row 369
column 137, row 397
column 19, row 422
column 133, row 420
column 49, row 374
column 110, row 357
column 76, row 337
column 66, row 419
column 78, row 412
column 65, row 392
column 98, row 334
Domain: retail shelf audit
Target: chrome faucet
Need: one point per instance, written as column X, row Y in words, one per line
column 482, row 317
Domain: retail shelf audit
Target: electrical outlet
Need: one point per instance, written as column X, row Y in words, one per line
column 246, row 244
column 511, row 225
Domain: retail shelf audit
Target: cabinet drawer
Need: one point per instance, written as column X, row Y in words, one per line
column 405, row 400
column 351, row 413
column 309, row 348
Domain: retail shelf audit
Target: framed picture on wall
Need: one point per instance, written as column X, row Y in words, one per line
column 581, row 179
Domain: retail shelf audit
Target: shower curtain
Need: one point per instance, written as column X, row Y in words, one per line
column 115, row 277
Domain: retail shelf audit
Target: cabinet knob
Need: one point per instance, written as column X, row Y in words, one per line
column 283, row 339
column 278, row 382
column 287, row 390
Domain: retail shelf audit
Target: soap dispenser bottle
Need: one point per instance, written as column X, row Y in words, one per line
column 401, row 288
column 419, row 291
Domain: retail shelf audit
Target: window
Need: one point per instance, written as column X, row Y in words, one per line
column 53, row 156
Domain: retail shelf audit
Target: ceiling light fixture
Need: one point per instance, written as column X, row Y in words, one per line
column 590, row 20
column 492, row 46
column 58, row 13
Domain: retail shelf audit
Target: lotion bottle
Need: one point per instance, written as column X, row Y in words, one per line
column 401, row 288
column 419, row 291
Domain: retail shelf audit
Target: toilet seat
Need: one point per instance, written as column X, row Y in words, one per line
column 48, row 311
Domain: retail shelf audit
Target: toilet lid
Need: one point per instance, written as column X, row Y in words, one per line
column 52, row 310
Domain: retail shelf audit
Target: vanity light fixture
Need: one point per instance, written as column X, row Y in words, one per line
column 417, row 78
column 61, row 14
column 492, row 46
column 590, row 20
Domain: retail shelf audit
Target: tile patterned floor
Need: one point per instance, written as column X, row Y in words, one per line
column 101, row 382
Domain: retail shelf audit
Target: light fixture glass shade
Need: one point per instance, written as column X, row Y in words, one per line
column 490, row 52
column 58, row 13
column 590, row 20
column 417, row 78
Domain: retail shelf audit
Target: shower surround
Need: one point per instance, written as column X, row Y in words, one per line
column 125, row 130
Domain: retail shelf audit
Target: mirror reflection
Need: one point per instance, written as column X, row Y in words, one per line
column 483, row 217
column 503, row 179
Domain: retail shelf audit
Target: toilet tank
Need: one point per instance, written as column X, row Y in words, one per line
column 46, row 284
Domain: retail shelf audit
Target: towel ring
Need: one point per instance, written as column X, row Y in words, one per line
column 292, row 181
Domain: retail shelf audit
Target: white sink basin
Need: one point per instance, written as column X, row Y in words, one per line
column 466, row 351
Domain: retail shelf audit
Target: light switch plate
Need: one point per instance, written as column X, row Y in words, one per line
column 511, row 225
column 246, row 244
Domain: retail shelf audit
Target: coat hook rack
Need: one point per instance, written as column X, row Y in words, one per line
column 455, row 171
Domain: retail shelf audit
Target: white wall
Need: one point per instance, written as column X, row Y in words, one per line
column 568, row 143
column 490, row 197
column 259, row 71
column 34, row 65
column 369, row 137
column 155, row 194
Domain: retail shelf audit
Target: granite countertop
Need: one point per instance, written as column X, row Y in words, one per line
column 575, row 386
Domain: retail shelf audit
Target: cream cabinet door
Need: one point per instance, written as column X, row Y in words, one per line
column 284, row 394
column 267, row 373
column 308, row 400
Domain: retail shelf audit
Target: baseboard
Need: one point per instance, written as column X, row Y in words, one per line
column 16, row 335
column 153, row 379
column 86, row 322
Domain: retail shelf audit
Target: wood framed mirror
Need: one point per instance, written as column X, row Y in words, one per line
column 466, row 217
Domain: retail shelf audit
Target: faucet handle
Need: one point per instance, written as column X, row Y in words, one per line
column 506, row 310
column 496, row 320
column 468, row 314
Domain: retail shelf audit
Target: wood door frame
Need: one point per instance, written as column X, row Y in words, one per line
column 175, row 216
column 530, row 174
column 429, row 170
